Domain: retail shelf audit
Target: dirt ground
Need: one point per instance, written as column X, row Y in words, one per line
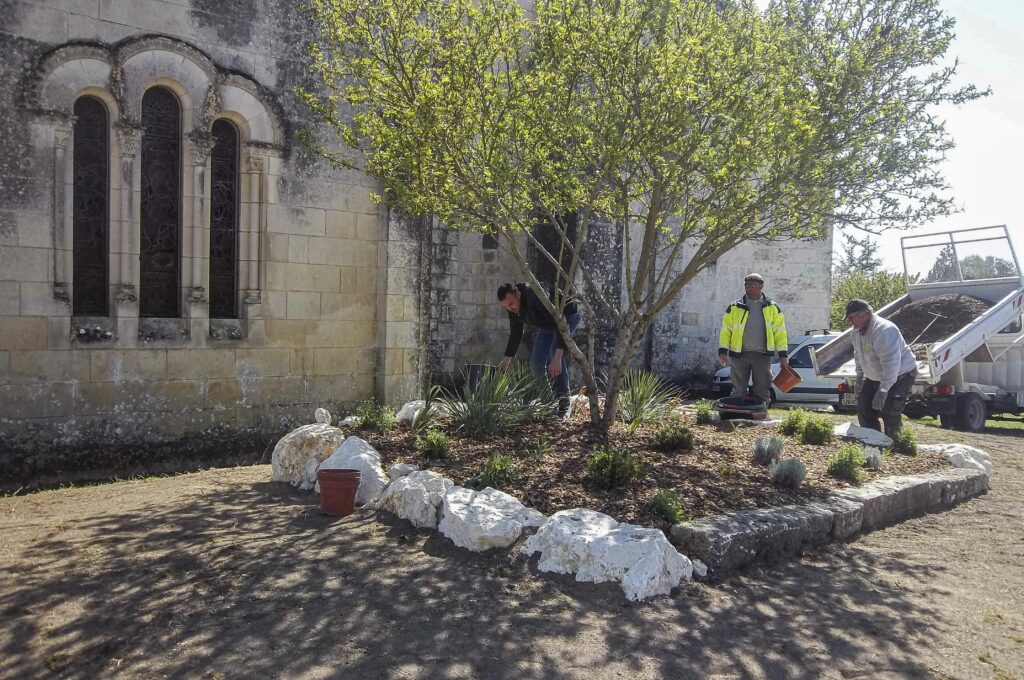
column 222, row 574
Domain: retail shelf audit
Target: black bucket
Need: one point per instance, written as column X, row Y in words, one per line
column 742, row 407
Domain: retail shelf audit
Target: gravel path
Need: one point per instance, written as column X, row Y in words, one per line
column 221, row 574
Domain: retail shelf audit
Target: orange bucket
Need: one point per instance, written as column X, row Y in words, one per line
column 787, row 379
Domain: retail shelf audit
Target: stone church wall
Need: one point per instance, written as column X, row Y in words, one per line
column 317, row 272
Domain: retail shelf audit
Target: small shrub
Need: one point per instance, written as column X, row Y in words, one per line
column 646, row 398
column 817, row 430
column 727, row 470
column 377, row 417
column 434, row 444
column 846, row 463
column 611, row 467
column 873, row 458
column 535, row 451
column 793, row 422
column 788, row 474
column 905, row 442
column 704, row 409
column 669, row 505
column 768, row 450
column 673, row 437
column 499, row 470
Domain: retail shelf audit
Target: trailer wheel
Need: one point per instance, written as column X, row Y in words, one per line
column 971, row 412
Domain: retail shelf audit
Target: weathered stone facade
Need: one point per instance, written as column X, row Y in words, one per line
column 338, row 300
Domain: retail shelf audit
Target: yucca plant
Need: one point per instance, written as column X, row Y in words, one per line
column 646, row 398
column 502, row 399
column 430, row 415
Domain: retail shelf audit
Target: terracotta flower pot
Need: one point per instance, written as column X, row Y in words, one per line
column 787, row 379
column 338, row 491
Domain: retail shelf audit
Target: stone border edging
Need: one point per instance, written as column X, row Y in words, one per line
column 726, row 542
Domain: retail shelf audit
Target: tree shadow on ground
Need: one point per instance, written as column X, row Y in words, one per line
column 255, row 582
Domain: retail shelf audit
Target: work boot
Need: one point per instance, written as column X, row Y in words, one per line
column 563, row 406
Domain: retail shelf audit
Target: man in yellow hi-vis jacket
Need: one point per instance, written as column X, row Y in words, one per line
column 753, row 329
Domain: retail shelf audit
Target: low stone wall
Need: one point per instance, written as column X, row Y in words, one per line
column 728, row 542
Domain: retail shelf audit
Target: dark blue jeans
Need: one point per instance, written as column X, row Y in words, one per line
column 545, row 341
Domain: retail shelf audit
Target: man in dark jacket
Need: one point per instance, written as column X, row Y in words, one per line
column 525, row 309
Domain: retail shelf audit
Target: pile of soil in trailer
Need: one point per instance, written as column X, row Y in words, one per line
column 927, row 321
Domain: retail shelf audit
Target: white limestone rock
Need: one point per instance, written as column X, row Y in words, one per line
column 417, row 497
column 407, row 414
column 597, row 549
column 356, row 454
column 962, row 456
column 322, row 416
column 700, row 570
column 399, row 470
column 479, row 520
column 864, row 435
column 351, row 421
column 290, row 461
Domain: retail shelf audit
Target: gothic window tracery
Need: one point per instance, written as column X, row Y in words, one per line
column 160, row 256
column 224, row 201
column 90, row 209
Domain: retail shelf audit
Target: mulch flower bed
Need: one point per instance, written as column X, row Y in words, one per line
column 717, row 476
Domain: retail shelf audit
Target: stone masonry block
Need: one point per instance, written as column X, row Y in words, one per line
column 333, row 251
column 341, row 224
column 335, row 361
column 121, row 365
column 286, row 332
column 222, row 394
column 263, row 362
column 201, row 363
column 302, row 305
column 23, row 332
column 727, row 542
column 283, row 219
column 37, row 300
column 10, row 298
column 52, row 366
column 44, row 400
column 25, row 264
column 847, row 515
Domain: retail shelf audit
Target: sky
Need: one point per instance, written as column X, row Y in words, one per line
column 984, row 170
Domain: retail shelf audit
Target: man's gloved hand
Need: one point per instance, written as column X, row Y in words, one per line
column 879, row 401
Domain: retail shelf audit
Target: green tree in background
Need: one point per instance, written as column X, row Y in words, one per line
column 702, row 124
column 878, row 288
column 859, row 255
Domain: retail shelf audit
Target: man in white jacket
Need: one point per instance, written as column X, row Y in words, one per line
column 887, row 365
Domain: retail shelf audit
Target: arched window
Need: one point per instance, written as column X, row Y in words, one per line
column 224, row 222
column 160, row 256
column 90, row 204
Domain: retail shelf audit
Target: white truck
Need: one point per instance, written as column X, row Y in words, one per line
column 977, row 370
